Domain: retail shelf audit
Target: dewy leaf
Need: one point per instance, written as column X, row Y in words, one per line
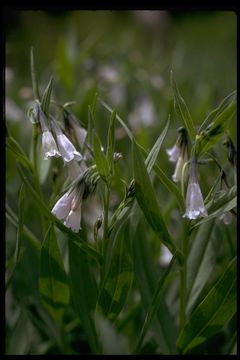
column 153, row 154
column 34, row 77
column 182, row 110
column 111, row 140
column 45, row 101
column 53, row 283
column 101, row 160
column 119, row 276
column 84, row 292
column 215, row 311
column 147, row 201
column 213, row 133
column 162, row 326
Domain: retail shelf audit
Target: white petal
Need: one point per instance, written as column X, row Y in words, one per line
column 63, row 206
column 177, row 176
column 173, row 153
column 67, row 149
column 73, row 220
column 194, row 202
column 75, row 169
column 81, row 134
column 49, row 145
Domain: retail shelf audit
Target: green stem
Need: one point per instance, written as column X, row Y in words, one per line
column 105, row 219
column 36, row 175
column 183, row 278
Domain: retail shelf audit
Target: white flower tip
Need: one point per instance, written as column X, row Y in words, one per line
column 73, row 220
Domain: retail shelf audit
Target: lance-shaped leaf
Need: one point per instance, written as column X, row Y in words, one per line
column 182, row 109
column 213, row 133
column 147, row 201
column 84, row 292
column 46, row 98
column 111, row 140
column 101, row 160
column 119, row 273
column 53, row 282
column 215, row 311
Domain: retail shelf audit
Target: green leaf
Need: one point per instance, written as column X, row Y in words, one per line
column 64, row 66
column 214, row 113
column 213, row 133
column 101, row 160
column 162, row 325
column 199, row 264
column 182, row 110
column 119, row 274
column 153, row 154
column 18, row 153
column 215, row 311
column 111, row 141
column 34, row 77
column 157, row 297
column 21, row 199
column 53, row 283
column 45, row 101
column 84, row 292
column 147, row 201
column 170, row 186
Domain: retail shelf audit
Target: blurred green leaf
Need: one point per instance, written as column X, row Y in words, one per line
column 153, row 154
column 119, row 274
column 84, row 292
column 163, row 326
column 182, row 110
column 64, row 66
column 215, row 311
column 46, row 98
column 214, row 113
column 157, row 297
column 111, row 141
column 213, row 133
column 146, row 199
column 199, row 264
column 101, row 160
column 34, row 77
column 18, row 152
column 53, row 282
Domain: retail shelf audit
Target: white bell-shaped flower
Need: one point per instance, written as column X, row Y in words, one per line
column 63, row 206
column 173, row 153
column 49, row 145
column 73, row 220
column 67, row 149
column 183, row 158
column 194, row 200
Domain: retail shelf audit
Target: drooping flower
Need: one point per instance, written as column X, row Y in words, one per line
column 72, row 124
column 179, row 153
column 66, row 148
column 226, row 217
column 194, row 200
column 68, row 207
column 49, row 145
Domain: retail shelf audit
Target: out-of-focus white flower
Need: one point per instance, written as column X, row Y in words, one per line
column 173, row 153
column 194, row 200
column 49, row 145
column 143, row 114
column 183, row 158
column 73, row 124
column 165, row 256
column 226, row 217
column 109, row 74
column 67, row 149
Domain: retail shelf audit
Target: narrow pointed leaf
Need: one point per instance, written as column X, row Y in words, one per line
column 53, row 282
column 45, row 101
column 147, row 201
column 34, row 77
column 84, row 292
column 111, row 140
column 215, row 311
column 153, row 154
column 101, row 160
column 182, row 110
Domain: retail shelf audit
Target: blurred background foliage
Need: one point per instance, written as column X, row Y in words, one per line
column 126, row 57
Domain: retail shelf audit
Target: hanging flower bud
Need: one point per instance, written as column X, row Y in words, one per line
column 179, row 153
column 73, row 124
column 226, row 217
column 66, row 148
column 194, row 200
